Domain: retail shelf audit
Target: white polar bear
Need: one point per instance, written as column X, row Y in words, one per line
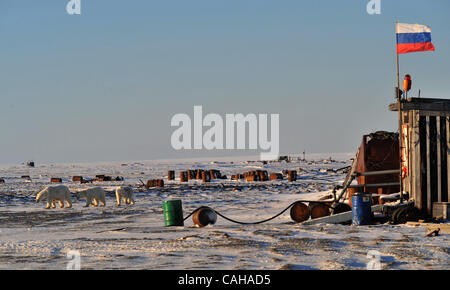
column 126, row 193
column 58, row 193
column 92, row 195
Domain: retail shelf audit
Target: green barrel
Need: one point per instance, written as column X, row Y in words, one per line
column 173, row 213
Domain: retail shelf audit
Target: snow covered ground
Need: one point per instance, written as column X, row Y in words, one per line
column 134, row 237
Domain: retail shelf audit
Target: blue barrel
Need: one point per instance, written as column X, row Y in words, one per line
column 361, row 209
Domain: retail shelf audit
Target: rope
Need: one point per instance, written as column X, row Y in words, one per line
column 258, row 222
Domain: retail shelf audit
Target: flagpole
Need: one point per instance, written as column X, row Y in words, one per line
column 400, row 139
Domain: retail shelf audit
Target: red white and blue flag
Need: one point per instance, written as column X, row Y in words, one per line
column 413, row 37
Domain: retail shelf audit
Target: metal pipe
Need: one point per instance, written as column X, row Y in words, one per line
column 374, row 185
column 381, row 172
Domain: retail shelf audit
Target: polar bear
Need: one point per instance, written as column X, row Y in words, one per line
column 92, row 195
column 126, row 194
column 58, row 193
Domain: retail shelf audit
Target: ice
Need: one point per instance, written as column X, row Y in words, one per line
column 134, row 237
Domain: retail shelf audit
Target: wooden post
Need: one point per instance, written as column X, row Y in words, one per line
column 429, row 203
column 448, row 158
column 416, row 162
column 438, row 156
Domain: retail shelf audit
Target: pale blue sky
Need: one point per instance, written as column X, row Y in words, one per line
column 104, row 85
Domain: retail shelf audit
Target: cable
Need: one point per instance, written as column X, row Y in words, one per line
column 258, row 222
column 255, row 223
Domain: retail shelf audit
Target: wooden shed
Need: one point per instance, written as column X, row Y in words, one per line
column 425, row 151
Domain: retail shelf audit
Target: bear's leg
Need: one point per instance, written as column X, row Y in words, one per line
column 61, row 204
column 103, row 201
column 88, row 201
column 95, row 202
column 48, row 205
column 132, row 200
column 118, row 199
column 69, row 203
column 53, row 203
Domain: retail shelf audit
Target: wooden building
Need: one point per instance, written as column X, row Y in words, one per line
column 425, row 152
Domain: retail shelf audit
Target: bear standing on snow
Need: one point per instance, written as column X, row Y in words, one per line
column 58, row 193
column 93, row 196
column 126, row 193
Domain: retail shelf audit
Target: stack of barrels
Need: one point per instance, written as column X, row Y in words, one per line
column 198, row 174
column 256, row 175
column 77, row 178
column 102, row 177
column 155, row 183
column 276, row 176
column 237, row 176
column 301, row 212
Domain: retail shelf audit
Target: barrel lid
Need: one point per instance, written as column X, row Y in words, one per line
column 361, row 193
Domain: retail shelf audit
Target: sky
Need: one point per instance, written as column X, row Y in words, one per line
column 104, row 85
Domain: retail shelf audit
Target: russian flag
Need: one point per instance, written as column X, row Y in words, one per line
column 413, row 37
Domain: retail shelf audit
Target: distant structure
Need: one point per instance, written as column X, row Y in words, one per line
column 30, row 163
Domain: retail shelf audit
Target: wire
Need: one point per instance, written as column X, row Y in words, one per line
column 258, row 222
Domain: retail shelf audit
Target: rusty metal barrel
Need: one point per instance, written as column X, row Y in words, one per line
column 319, row 210
column 199, row 174
column 205, row 176
column 160, row 183
column 300, row 212
column 190, row 174
column 292, row 175
column 183, row 176
column 204, row 216
column 170, row 175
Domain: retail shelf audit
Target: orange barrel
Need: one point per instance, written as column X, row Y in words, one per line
column 319, row 210
column 190, row 174
column 199, row 174
column 170, row 175
column 55, row 180
column 183, row 176
column 77, row 178
column 300, row 212
column 276, row 176
column 350, row 192
column 204, row 216
column 250, row 178
column 205, row 176
column 263, row 175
